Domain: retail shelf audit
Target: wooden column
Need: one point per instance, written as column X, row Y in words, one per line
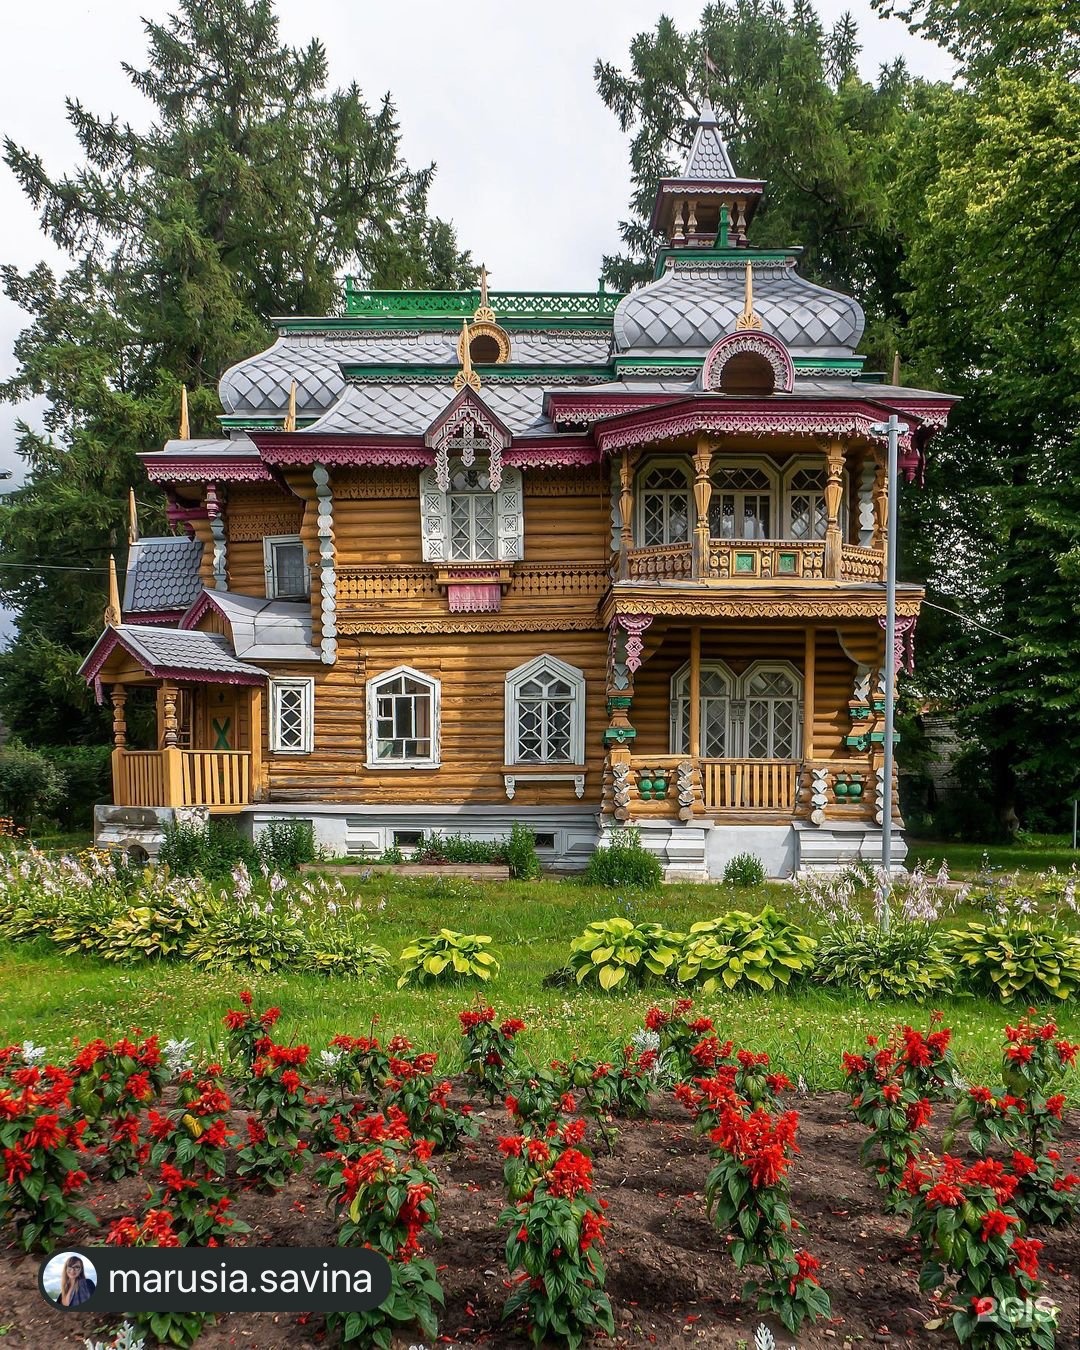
column 702, row 498
column 170, row 725
column 881, row 510
column 626, row 513
column 255, row 738
column 118, row 694
column 809, row 663
column 834, row 495
column 695, row 691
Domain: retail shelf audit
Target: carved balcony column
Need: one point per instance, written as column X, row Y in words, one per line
column 703, row 454
column 170, row 721
column 881, row 509
column 834, row 495
column 626, row 512
column 118, row 695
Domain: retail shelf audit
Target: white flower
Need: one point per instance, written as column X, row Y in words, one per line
column 31, row 1053
column 175, row 1054
column 329, row 1060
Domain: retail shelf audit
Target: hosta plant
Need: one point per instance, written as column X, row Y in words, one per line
column 556, row 1224
column 618, row 953
column 1030, row 960
column 249, row 935
column 906, row 962
column 488, row 1049
column 744, row 951
column 974, row 1241
column 447, row 955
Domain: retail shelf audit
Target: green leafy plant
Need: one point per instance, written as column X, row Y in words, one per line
column 31, row 785
column 159, row 930
column 259, row 937
column 1030, row 960
column 340, row 947
column 617, row 952
column 286, row 845
column 623, row 862
column 745, row 869
column 190, row 850
column 447, row 955
column 906, row 962
column 744, row 951
column 520, row 853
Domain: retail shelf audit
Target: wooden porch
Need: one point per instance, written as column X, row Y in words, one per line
column 218, row 779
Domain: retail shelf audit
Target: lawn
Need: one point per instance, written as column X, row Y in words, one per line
column 1026, row 856
column 50, row 998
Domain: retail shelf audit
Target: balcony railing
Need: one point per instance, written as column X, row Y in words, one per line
column 219, row 779
column 749, row 784
column 747, row 560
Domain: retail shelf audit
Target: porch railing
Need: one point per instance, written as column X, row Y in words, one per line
column 749, row 784
column 219, row 779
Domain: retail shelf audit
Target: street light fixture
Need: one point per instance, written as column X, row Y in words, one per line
column 891, row 431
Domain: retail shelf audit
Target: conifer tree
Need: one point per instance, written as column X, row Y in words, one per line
column 252, row 188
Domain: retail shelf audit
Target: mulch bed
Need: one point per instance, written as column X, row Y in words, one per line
column 668, row 1277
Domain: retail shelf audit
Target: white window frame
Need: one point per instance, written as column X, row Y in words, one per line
column 776, row 497
column 675, row 721
column 509, row 520
column 270, row 542
column 797, row 463
column 515, row 678
column 434, row 685
column 667, row 462
column 306, row 685
column 767, row 668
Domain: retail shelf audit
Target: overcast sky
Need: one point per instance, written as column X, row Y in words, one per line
column 532, row 168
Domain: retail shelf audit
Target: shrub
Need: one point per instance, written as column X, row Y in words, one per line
column 743, row 951
column 448, row 955
column 623, row 862
column 906, row 962
column 286, row 845
column 340, row 948
column 1031, row 960
column 159, row 930
column 520, row 853
column 87, row 771
column 617, row 951
column 31, row 785
column 456, row 848
column 745, row 869
column 189, row 850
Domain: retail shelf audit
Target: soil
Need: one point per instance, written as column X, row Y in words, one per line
column 668, row 1277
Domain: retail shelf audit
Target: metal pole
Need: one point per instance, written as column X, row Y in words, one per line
column 891, row 429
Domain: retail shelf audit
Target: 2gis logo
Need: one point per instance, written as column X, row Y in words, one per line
column 1017, row 1312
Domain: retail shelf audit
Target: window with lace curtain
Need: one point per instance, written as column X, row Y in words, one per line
column 807, row 517
column 665, row 506
column 716, row 686
column 772, row 717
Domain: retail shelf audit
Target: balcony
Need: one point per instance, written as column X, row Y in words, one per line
column 218, row 779
column 749, row 560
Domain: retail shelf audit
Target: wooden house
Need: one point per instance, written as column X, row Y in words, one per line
column 581, row 561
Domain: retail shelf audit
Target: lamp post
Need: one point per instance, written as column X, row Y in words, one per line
column 891, row 431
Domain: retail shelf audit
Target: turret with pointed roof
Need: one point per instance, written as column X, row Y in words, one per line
column 708, row 204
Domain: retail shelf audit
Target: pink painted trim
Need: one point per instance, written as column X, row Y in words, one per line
column 765, row 345
column 579, row 407
column 474, row 597
column 466, row 405
column 200, row 606
column 551, row 456
column 111, row 639
column 162, row 616
column 204, row 676
column 295, row 449
column 171, row 469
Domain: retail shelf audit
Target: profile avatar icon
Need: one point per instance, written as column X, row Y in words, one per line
column 69, row 1279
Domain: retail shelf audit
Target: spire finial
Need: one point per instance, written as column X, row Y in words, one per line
column 290, row 416
column 185, row 425
column 484, row 312
column 133, row 518
column 112, row 609
column 896, row 368
column 466, row 375
column 748, row 319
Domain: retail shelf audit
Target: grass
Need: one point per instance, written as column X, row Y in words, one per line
column 51, row 998
column 1026, row 856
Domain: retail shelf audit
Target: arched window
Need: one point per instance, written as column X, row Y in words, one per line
column 665, row 506
column 472, row 509
column 715, row 696
column 545, row 713
column 743, row 504
column 403, row 720
column 806, row 514
column 772, row 695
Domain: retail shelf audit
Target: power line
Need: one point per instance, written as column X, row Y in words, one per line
column 51, row 567
column 966, row 619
